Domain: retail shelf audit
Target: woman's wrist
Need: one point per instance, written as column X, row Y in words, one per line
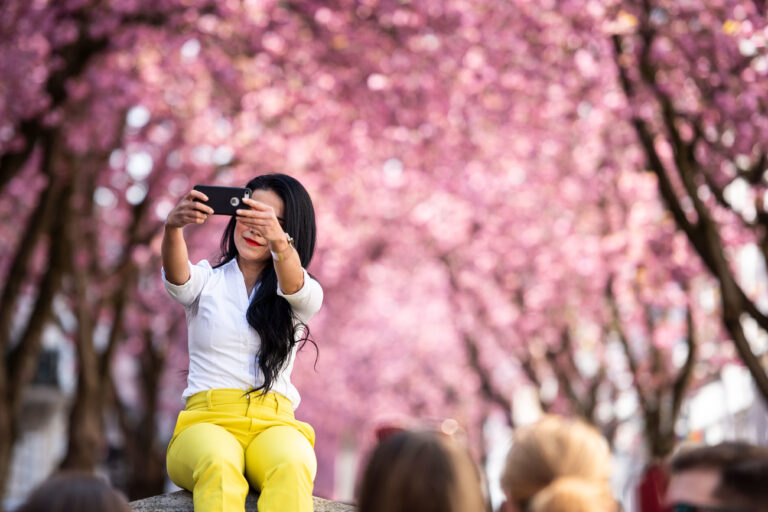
column 279, row 246
column 173, row 229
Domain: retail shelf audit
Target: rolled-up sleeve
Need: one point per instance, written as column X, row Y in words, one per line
column 188, row 292
column 307, row 301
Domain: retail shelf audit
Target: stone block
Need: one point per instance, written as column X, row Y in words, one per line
column 181, row 501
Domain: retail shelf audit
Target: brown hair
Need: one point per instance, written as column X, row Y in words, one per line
column 558, row 465
column 75, row 492
column 742, row 467
column 420, row 472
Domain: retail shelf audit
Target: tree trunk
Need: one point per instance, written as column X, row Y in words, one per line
column 7, row 438
column 86, row 434
column 86, row 441
column 147, row 475
column 144, row 456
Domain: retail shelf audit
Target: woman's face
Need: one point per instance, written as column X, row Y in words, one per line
column 251, row 246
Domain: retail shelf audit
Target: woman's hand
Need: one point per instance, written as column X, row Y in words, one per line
column 262, row 219
column 174, row 248
column 189, row 211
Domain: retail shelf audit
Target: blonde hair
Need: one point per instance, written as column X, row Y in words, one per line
column 420, row 471
column 559, row 465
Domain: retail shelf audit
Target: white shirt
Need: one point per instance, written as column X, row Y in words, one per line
column 222, row 345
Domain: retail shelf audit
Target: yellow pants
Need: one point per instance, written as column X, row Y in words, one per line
column 225, row 439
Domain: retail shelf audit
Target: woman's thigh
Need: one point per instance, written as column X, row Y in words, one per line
column 279, row 446
column 199, row 446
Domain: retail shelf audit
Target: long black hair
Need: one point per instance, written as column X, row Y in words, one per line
column 268, row 313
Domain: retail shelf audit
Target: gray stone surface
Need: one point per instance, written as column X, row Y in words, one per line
column 181, row 501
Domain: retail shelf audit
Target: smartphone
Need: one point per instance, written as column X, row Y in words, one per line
column 224, row 200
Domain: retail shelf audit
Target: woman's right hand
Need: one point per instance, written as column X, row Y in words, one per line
column 189, row 211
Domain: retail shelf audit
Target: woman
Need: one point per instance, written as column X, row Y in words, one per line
column 413, row 471
column 558, row 465
column 246, row 318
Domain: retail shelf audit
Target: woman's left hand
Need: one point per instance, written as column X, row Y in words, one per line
column 262, row 218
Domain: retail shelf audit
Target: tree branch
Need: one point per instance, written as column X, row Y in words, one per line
column 37, row 223
column 683, row 378
column 634, row 368
column 490, row 392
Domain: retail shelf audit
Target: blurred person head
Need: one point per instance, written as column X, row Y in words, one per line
column 558, row 465
column 75, row 492
column 728, row 477
column 411, row 471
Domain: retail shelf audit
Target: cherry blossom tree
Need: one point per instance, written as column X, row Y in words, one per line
column 691, row 74
column 484, row 216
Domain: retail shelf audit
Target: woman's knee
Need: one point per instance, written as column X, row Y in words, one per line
column 203, row 451
column 299, row 464
column 296, row 464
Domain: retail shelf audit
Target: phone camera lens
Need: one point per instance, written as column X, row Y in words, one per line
column 234, row 201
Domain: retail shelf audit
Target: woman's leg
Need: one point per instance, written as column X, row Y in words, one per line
column 207, row 460
column 281, row 462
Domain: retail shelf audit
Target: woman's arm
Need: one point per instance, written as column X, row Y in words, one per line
column 290, row 274
column 307, row 300
column 174, row 248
